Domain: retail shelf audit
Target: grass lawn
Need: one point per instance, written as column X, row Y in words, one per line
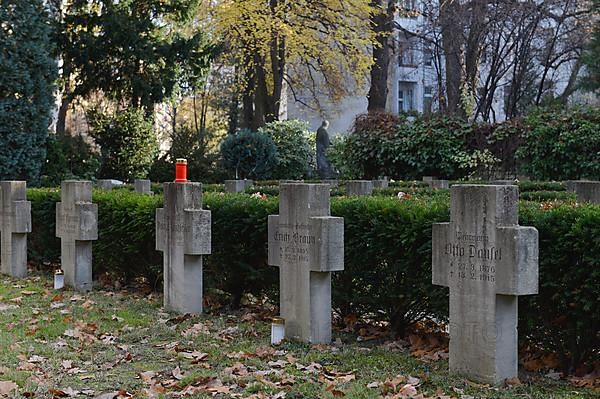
column 122, row 344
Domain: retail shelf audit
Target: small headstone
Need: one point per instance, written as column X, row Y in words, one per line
column 487, row 260
column 439, row 184
column 427, row 179
column 307, row 244
column 359, row 187
column 237, row 186
column 586, row 190
column 105, row 184
column 77, row 227
column 183, row 235
column 142, row 186
column 381, row 183
column 15, row 223
column 332, row 183
column 503, row 182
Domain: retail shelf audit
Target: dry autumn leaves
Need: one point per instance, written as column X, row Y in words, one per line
column 122, row 345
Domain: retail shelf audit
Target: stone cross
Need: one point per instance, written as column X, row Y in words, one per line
column 77, row 227
column 142, row 186
column 237, row 186
column 183, row 235
column 359, row 187
column 307, row 244
column 15, row 223
column 586, row 190
column 105, row 184
column 439, row 184
column 381, row 182
column 487, row 260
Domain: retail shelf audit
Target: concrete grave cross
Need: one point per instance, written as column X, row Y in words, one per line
column 486, row 260
column 77, row 227
column 307, row 244
column 15, row 223
column 183, row 235
column 142, row 186
column 237, row 186
column 586, row 190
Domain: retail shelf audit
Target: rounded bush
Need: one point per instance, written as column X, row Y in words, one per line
column 295, row 148
column 249, row 154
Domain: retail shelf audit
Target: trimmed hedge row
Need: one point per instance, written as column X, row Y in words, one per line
column 387, row 272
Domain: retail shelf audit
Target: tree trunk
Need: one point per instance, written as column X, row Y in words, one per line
column 382, row 22
column 452, row 39
column 61, row 122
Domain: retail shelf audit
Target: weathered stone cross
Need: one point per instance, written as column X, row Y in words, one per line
column 15, row 223
column 307, row 244
column 183, row 235
column 77, row 227
column 486, row 260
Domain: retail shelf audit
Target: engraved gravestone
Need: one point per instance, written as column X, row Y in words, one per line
column 77, row 227
column 487, row 260
column 586, row 190
column 15, row 223
column 307, row 244
column 436, row 184
column 237, row 186
column 359, row 187
column 142, row 186
column 183, row 235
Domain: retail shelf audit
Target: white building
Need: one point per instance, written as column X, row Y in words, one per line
column 416, row 76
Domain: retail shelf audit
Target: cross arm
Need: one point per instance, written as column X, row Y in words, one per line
column 328, row 252
column 275, row 255
column 87, row 215
column 197, row 231
column 440, row 268
column 160, row 229
column 517, row 270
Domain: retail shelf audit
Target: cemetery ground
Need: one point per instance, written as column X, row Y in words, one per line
column 120, row 343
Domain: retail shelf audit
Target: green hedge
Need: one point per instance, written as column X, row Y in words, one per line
column 387, row 272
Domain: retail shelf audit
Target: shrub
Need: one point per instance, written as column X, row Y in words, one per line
column 387, row 272
column 250, row 155
column 381, row 145
column 561, row 144
column 563, row 317
column 68, row 157
column 28, row 71
column 203, row 164
column 127, row 143
column 295, row 154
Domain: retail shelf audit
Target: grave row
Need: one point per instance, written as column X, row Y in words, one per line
column 482, row 255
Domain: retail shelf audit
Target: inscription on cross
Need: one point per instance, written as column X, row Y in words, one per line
column 307, row 244
column 183, row 235
column 486, row 260
column 15, row 223
column 77, row 227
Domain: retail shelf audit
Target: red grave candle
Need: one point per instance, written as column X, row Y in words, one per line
column 180, row 170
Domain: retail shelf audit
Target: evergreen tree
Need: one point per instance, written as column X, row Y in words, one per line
column 593, row 54
column 28, row 72
column 134, row 51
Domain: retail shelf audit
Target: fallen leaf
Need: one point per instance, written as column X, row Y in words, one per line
column 176, row 373
column 7, row 387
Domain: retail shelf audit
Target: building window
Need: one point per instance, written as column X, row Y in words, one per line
column 428, row 57
column 405, row 96
column 409, row 5
column 406, row 55
column 427, row 99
